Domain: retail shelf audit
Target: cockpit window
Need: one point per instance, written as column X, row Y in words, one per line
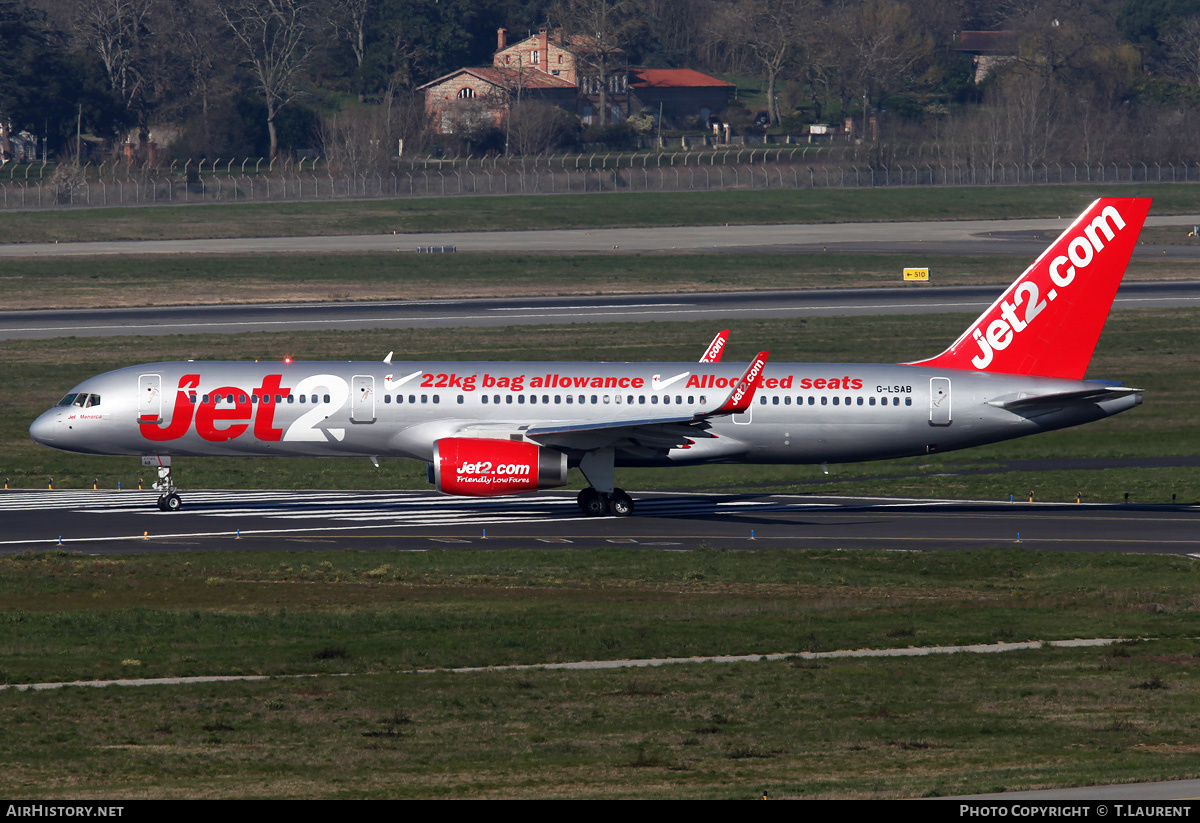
column 68, row 400
column 92, row 401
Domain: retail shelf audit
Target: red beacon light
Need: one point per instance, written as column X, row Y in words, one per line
column 287, row 360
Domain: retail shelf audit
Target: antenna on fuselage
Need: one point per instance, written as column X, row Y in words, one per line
column 388, row 359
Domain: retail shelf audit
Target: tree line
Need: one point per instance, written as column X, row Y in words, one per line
column 1086, row 80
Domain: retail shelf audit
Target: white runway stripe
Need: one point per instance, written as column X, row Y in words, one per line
column 404, row 509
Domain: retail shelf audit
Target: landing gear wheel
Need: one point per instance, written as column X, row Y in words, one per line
column 620, row 503
column 592, row 503
column 170, row 502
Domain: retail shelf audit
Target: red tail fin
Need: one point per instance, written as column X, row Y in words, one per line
column 1048, row 321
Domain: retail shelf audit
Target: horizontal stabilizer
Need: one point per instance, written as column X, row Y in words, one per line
column 1027, row 402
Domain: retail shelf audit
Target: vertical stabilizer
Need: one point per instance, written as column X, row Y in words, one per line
column 1048, row 321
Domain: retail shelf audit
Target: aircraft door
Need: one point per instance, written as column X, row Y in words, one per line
column 939, row 401
column 742, row 418
column 362, row 399
column 149, row 402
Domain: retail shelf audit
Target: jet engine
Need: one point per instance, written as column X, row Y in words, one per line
column 478, row 467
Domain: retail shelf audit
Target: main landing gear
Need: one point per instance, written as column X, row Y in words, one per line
column 602, row 497
column 594, row 503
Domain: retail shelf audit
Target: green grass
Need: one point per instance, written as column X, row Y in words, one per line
column 1153, row 350
column 104, row 281
column 438, row 214
column 843, row 728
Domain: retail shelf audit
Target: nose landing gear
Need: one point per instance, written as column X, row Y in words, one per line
column 168, row 498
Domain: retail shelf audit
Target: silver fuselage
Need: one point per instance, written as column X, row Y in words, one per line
column 803, row 412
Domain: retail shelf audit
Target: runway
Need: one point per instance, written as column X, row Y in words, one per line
column 109, row 522
column 713, row 306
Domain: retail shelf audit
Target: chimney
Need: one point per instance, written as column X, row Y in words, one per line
column 544, row 45
column 501, row 39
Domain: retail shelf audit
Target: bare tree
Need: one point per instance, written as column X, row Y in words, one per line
column 1183, row 49
column 774, row 32
column 535, row 127
column 598, row 30
column 116, row 31
column 348, row 20
column 271, row 37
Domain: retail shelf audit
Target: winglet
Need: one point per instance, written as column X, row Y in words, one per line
column 743, row 393
column 716, row 348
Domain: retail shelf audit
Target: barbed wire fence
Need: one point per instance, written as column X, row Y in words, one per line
column 46, row 186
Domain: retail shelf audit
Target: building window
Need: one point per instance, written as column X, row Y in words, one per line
column 535, row 57
column 466, row 93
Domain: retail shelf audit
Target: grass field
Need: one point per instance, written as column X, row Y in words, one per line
column 1153, row 350
column 105, row 282
column 555, row 211
column 849, row 728
column 345, row 631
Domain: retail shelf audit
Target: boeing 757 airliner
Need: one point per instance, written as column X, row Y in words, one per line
column 497, row 428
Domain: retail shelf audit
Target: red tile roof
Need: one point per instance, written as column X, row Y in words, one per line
column 673, row 79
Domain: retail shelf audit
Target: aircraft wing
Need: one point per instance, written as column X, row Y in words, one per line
column 663, row 431
column 1023, row 402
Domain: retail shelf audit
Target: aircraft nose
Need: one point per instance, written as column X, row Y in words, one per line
column 45, row 429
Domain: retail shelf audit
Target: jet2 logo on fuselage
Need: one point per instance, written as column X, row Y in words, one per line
column 218, row 422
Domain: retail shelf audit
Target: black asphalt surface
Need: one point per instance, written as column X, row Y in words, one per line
column 107, row 522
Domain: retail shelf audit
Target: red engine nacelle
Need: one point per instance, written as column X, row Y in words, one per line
column 477, row 467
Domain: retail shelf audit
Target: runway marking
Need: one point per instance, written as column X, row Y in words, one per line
column 463, row 520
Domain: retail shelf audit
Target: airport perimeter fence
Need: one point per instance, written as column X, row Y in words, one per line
column 692, row 171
